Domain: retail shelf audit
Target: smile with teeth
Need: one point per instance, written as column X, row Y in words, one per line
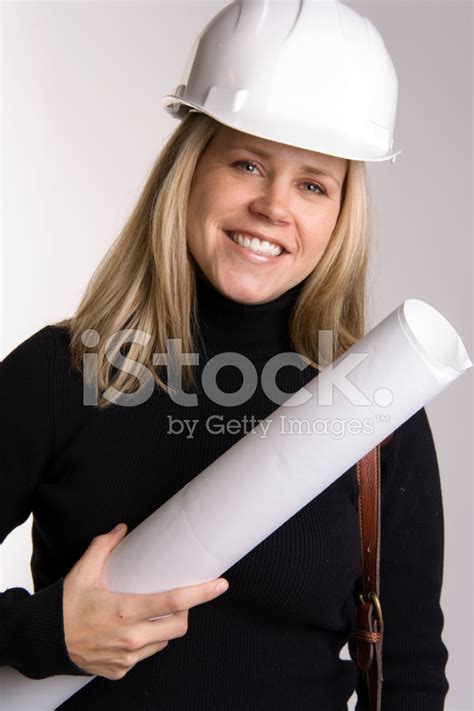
column 254, row 244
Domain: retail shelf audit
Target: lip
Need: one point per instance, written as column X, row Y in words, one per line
column 259, row 236
column 252, row 256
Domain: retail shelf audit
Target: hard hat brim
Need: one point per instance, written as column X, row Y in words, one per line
column 174, row 105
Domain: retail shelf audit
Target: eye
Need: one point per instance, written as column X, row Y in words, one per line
column 315, row 185
column 245, row 162
column 240, row 163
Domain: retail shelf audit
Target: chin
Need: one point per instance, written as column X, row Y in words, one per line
column 247, row 295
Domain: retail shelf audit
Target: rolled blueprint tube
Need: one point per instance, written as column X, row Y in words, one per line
column 269, row 475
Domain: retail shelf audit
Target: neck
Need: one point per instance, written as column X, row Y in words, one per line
column 257, row 331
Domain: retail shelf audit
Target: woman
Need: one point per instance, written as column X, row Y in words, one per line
column 189, row 265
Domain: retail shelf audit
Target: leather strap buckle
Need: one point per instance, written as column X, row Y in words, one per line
column 375, row 600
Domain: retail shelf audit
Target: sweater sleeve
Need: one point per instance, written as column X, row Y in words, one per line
column 411, row 571
column 31, row 625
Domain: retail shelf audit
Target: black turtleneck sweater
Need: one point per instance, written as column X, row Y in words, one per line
column 272, row 641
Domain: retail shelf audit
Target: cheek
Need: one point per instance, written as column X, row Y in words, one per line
column 318, row 232
column 199, row 205
column 210, row 200
column 207, row 209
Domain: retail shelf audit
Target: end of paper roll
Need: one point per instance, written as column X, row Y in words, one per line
column 435, row 339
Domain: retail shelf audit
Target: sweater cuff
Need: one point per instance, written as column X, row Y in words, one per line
column 34, row 634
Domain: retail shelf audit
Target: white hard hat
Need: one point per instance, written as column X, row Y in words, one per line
column 308, row 73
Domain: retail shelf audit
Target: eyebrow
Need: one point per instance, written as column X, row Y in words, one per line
column 306, row 168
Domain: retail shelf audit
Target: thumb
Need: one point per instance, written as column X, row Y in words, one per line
column 101, row 547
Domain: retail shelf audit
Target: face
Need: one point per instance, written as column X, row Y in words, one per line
column 260, row 214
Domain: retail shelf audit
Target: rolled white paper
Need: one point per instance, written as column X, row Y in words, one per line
column 277, row 469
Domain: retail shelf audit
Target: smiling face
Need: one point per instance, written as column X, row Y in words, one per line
column 248, row 190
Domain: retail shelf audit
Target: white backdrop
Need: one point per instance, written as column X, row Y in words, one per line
column 82, row 124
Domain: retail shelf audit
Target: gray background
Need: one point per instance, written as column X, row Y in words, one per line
column 82, row 123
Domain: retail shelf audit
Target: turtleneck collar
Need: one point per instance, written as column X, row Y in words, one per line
column 257, row 331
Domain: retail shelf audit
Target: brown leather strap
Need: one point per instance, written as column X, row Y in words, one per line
column 369, row 621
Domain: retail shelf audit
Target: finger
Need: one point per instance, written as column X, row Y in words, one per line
column 149, row 650
column 101, row 547
column 137, row 608
column 129, row 660
column 166, row 628
column 184, row 598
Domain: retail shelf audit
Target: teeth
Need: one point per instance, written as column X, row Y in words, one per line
column 256, row 245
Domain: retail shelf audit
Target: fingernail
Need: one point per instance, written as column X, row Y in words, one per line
column 222, row 587
column 118, row 527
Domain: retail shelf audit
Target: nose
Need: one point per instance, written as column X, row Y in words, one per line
column 272, row 202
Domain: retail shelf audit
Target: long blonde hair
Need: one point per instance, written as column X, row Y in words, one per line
column 146, row 281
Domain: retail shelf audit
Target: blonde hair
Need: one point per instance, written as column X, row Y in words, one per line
column 146, row 281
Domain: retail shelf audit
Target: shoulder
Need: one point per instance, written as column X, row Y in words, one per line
column 409, row 460
column 36, row 361
column 41, row 392
column 411, row 437
column 30, row 354
column 40, row 339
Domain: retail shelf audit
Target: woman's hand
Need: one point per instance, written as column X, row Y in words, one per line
column 107, row 633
